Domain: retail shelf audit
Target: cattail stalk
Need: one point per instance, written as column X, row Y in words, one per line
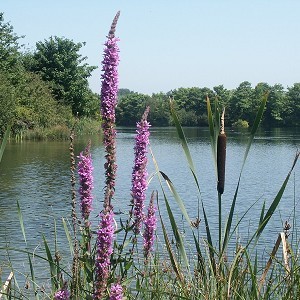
column 221, row 156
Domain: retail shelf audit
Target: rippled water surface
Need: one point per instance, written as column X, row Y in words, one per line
column 37, row 175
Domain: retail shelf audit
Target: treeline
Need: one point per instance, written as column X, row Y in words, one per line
column 241, row 104
column 48, row 88
column 45, row 88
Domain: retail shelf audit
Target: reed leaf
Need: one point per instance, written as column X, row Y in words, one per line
column 200, row 258
column 209, row 241
column 233, row 266
column 52, row 264
column 21, row 221
column 68, row 235
column 174, row 262
column 253, row 272
column 175, row 230
column 262, row 213
column 277, row 199
column 4, row 141
column 176, row 196
column 33, row 278
column 254, row 127
column 213, row 131
column 184, row 144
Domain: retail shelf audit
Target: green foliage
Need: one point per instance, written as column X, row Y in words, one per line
column 241, row 124
column 9, row 47
column 59, row 63
column 159, row 110
column 192, row 100
column 130, row 107
column 7, row 102
column 240, row 106
column 293, row 104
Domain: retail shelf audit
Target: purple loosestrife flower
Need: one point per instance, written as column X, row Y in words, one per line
column 85, row 172
column 104, row 248
column 62, row 294
column 116, row 292
column 109, row 92
column 150, row 226
column 139, row 173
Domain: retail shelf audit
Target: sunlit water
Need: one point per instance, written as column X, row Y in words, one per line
column 37, row 174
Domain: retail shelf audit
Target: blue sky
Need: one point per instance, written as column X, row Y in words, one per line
column 170, row 44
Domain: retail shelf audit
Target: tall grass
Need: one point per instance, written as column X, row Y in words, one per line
column 83, row 126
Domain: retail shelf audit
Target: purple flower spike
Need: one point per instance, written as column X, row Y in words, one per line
column 62, row 294
column 139, row 173
column 85, row 172
column 104, row 246
column 109, row 92
column 116, row 292
column 150, row 226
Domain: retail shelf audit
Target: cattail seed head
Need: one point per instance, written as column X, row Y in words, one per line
column 221, row 156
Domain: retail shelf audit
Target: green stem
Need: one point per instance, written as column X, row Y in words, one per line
column 220, row 221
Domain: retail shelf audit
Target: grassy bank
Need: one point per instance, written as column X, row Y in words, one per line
column 83, row 126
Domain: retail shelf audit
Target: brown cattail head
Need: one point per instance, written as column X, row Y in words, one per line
column 112, row 30
column 221, row 156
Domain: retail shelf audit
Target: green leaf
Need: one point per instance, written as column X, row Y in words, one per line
column 255, row 126
column 4, row 141
column 68, row 235
column 177, row 235
column 262, row 213
column 51, row 264
column 176, row 232
column 33, row 278
column 21, row 221
column 184, row 144
column 176, row 196
column 277, row 199
column 253, row 272
column 200, row 258
column 214, row 128
column 172, row 257
column 209, row 241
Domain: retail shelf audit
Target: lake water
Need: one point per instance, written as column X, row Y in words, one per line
column 37, row 174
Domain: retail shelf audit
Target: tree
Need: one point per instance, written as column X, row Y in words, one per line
column 9, row 46
column 223, row 95
column 58, row 62
column 275, row 106
column 159, row 110
column 293, row 105
column 124, row 92
column 193, row 101
column 240, row 106
column 7, row 102
column 130, row 108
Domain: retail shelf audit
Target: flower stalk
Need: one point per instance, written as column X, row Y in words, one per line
column 139, row 173
column 85, row 172
column 109, row 92
column 150, row 227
